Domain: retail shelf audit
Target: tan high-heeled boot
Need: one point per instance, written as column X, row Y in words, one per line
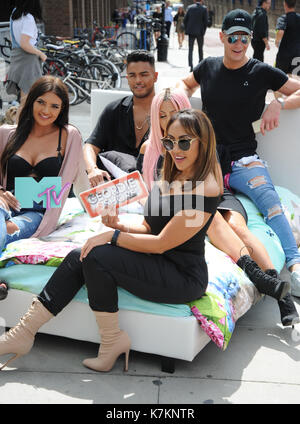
column 19, row 339
column 114, row 342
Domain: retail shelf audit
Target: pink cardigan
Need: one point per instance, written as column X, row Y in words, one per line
column 71, row 171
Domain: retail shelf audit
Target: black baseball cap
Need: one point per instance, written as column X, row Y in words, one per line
column 237, row 20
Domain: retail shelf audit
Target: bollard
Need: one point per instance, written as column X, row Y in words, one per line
column 162, row 48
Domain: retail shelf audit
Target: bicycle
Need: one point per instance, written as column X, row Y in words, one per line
column 144, row 36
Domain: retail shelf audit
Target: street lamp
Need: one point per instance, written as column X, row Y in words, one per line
column 162, row 41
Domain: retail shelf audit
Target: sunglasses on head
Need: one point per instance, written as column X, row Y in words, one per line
column 183, row 143
column 232, row 39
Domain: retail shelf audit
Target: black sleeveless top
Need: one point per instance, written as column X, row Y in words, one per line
column 19, row 167
column 189, row 256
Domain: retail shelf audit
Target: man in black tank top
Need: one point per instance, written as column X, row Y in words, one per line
column 288, row 39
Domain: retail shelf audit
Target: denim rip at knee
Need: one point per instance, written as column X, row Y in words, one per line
column 254, row 181
column 4, row 216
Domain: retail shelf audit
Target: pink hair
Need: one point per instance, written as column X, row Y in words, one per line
column 154, row 149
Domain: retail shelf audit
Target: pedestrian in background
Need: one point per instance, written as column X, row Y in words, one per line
column 195, row 23
column 179, row 25
column 260, row 25
column 288, row 38
column 168, row 17
column 26, row 60
column 157, row 15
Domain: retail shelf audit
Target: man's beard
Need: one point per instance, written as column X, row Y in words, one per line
column 143, row 95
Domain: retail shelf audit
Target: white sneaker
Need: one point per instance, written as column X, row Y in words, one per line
column 295, row 283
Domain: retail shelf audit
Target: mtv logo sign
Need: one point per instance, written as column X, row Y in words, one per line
column 47, row 192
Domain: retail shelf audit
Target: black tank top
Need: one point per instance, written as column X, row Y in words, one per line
column 19, row 167
column 160, row 209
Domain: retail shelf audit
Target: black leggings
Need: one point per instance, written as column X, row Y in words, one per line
column 150, row 277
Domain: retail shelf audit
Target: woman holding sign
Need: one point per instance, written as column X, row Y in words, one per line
column 160, row 260
column 228, row 230
column 41, row 145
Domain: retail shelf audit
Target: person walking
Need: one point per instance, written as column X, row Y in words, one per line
column 25, row 61
column 195, row 23
column 179, row 25
column 168, row 17
column 288, row 38
column 260, row 24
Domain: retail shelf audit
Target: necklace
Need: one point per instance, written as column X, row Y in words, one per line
column 147, row 119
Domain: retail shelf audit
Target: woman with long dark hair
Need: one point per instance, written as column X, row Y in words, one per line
column 42, row 145
column 25, row 67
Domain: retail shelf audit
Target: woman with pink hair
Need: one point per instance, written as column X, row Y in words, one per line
column 163, row 104
column 228, row 230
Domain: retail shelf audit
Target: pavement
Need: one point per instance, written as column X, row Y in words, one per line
column 260, row 365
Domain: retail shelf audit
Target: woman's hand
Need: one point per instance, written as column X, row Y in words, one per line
column 10, row 200
column 92, row 242
column 42, row 56
column 110, row 217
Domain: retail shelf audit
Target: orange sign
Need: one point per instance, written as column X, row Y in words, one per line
column 115, row 193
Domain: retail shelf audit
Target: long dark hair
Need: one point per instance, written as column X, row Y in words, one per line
column 42, row 86
column 196, row 124
column 23, row 7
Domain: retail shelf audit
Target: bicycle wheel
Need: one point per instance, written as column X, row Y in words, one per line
column 55, row 67
column 108, row 72
column 127, row 40
column 104, row 76
column 150, row 42
column 72, row 93
column 83, row 80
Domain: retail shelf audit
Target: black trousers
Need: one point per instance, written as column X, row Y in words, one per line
column 150, row 277
column 168, row 27
column 200, row 39
column 259, row 48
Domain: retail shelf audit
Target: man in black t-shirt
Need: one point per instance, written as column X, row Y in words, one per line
column 124, row 124
column 260, row 25
column 288, row 39
column 233, row 90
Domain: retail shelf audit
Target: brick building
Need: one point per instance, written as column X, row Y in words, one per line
column 61, row 17
column 221, row 7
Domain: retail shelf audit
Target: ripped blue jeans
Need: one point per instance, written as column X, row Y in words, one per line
column 255, row 182
column 27, row 222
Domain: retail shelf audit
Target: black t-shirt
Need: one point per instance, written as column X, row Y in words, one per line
column 115, row 128
column 290, row 44
column 260, row 24
column 233, row 99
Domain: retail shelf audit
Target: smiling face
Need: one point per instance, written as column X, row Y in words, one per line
column 235, row 53
column 185, row 161
column 46, row 109
column 166, row 110
column 141, row 77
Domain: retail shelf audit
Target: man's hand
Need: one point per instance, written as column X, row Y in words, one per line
column 96, row 176
column 270, row 118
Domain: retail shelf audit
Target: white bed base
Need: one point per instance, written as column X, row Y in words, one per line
column 170, row 337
